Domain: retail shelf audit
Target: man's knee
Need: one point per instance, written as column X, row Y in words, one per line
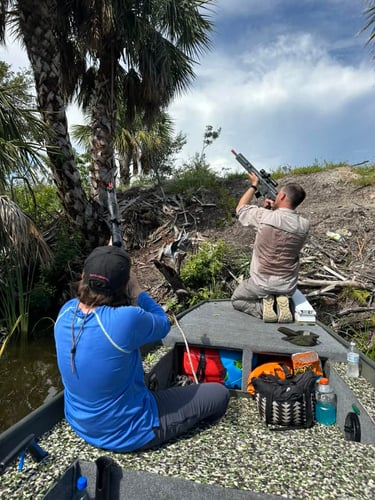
column 252, row 307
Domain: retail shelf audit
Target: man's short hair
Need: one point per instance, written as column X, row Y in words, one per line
column 295, row 193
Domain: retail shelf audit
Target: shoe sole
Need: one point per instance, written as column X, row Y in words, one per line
column 269, row 315
column 284, row 313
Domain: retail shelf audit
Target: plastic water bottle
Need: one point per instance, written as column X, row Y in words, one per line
column 335, row 236
column 352, row 365
column 326, row 403
column 81, row 489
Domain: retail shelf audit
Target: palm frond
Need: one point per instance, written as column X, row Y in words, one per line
column 19, row 233
column 186, row 24
column 370, row 15
column 22, row 135
column 82, row 135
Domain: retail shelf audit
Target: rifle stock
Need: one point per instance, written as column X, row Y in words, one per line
column 114, row 215
column 267, row 186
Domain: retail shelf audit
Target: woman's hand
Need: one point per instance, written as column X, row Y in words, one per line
column 133, row 287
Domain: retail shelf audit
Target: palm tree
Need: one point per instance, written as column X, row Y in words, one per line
column 149, row 149
column 22, row 132
column 158, row 147
column 142, row 54
column 22, row 247
column 21, row 154
column 143, row 48
column 51, row 59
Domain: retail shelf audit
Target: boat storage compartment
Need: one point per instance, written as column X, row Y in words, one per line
column 208, row 365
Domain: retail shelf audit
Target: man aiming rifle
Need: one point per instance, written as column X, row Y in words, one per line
column 280, row 236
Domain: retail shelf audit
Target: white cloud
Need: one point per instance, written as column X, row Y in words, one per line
column 279, row 101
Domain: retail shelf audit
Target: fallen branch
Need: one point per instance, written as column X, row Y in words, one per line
column 173, row 279
column 354, row 310
column 330, row 284
column 331, row 271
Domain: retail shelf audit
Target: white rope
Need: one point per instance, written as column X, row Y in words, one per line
column 187, row 349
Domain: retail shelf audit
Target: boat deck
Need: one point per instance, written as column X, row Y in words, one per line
column 217, row 323
column 237, row 458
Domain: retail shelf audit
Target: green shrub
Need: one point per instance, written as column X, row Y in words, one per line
column 367, row 176
column 52, row 282
column 192, row 176
column 202, row 269
column 357, row 294
column 364, row 337
column 40, row 202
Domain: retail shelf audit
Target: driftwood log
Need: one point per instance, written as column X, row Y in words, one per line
column 173, row 279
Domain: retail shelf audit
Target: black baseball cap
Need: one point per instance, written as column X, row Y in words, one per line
column 107, row 269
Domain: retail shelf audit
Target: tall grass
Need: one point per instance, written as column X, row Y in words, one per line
column 15, row 292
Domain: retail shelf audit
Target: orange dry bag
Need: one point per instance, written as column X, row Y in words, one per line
column 281, row 369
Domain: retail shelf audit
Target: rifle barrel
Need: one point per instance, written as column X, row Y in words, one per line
column 114, row 216
column 267, row 185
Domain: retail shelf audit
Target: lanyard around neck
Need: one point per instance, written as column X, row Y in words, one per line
column 75, row 338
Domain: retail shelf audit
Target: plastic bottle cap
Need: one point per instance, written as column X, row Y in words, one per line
column 82, row 483
column 323, row 386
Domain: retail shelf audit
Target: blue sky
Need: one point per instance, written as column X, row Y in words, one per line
column 289, row 82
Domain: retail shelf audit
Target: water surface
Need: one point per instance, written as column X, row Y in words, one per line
column 28, row 377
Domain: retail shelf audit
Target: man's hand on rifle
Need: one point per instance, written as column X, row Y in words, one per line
column 248, row 196
column 268, row 203
column 254, row 179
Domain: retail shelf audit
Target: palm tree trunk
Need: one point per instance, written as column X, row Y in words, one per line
column 37, row 23
column 103, row 125
column 124, row 168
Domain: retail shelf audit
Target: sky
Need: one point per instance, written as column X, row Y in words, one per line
column 290, row 83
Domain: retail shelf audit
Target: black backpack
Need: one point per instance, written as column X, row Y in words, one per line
column 289, row 403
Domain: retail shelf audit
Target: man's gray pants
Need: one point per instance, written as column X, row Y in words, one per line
column 248, row 298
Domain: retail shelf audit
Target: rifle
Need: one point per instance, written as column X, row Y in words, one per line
column 267, row 186
column 114, row 215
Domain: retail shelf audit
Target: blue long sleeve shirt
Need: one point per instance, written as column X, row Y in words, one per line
column 106, row 400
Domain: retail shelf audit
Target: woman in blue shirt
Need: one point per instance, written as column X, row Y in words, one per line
column 98, row 335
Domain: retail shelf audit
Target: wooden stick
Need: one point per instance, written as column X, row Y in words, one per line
column 331, row 271
column 354, row 310
column 325, row 283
